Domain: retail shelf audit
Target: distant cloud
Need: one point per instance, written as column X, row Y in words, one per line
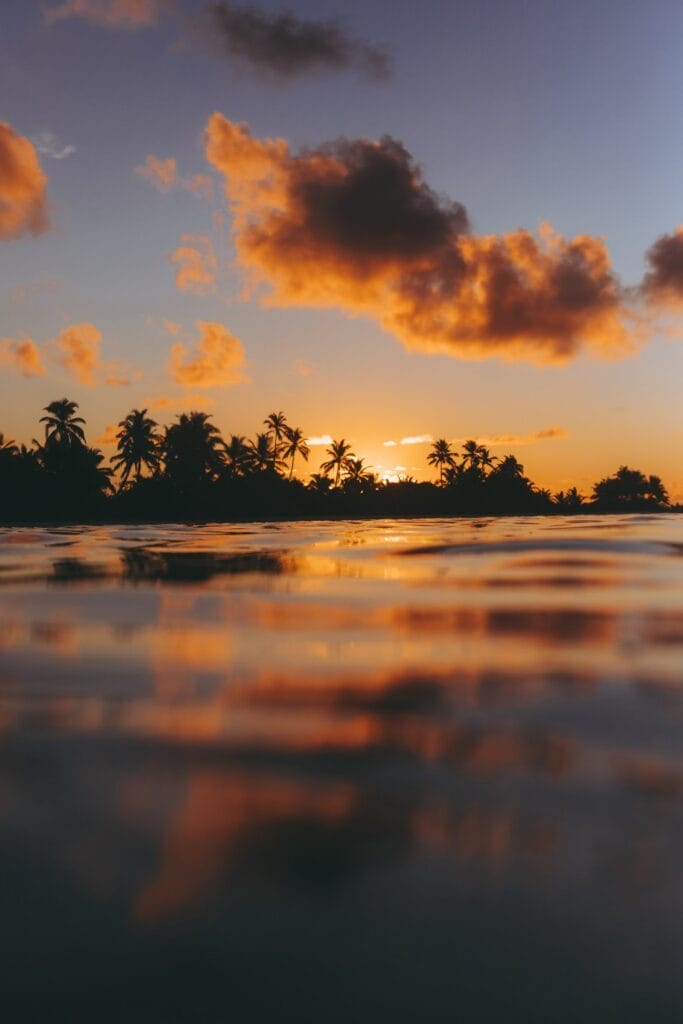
column 200, row 185
column 113, row 14
column 162, row 174
column 23, row 203
column 171, row 327
column 78, row 348
column 319, row 440
column 217, row 359
column 196, row 264
column 189, row 401
column 287, row 45
column 353, row 225
column 108, row 436
column 416, row 439
column 663, row 282
column 48, row 145
column 23, row 356
column 546, row 434
column 302, row 368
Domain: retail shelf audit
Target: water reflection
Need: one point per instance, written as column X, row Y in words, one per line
column 433, row 744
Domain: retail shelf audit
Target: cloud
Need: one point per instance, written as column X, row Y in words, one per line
column 217, row 359
column 302, row 368
column 416, row 439
column 79, row 352
column 162, row 174
column 353, row 225
column 172, row 327
column 664, row 281
column 200, row 185
column 196, row 265
column 286, row 45
column 546, row 434
column 23, row 203
column 319, row 440
column 188, row 401
column 113, row 14
column 108, row 437
column 23, row 356
column 48, row 145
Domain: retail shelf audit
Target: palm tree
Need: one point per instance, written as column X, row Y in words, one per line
column 296, row 445
column 262, row 455
column 319, row 483
column 470, row 454
column 7, row 448
column 237, row 454
column 276, row 425
column 138, row 445
column 62, row 426
column 441, row 455
column 486, row 460
column 193, row 449
column 355, row 471
column 339, row 452
column 477, row 456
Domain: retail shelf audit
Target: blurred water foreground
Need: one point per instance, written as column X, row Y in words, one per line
column 360, row 771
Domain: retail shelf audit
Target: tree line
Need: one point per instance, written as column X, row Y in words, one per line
column 187, row 471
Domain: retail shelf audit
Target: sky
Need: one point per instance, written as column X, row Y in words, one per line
column 393, row 222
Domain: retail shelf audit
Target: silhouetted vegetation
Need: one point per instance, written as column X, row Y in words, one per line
column 187, row 471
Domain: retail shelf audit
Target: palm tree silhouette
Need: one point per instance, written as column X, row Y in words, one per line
column 477, row 456
column 62, row 426
column 7, row 448
column 295, row 445
column 441, row 455
column 339, row 452
column 262, row 454
column 193, row 449
column 276, row 425
column 138, row 445
column 237, row 455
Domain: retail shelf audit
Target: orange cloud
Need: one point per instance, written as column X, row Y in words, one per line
column 352, row 225
column 196, row 264
column 188, row 401
column 23, row 203
column 546, row 434
column 302, row 368
column 113, row 14
column 79, row 352
column 163, row 174
column 23, row 356
column 217, row 360
column 200, row 185
column 77, row 349
column 108, row 437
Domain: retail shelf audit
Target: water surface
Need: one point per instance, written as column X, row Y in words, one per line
column 425, row 770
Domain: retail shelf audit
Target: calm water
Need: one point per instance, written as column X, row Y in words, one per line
column 395, row 771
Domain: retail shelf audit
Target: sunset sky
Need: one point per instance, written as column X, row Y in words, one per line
column 391, row 221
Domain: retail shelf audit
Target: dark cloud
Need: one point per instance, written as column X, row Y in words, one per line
column 286, row 45
column 664, row 280
column 353, row 225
